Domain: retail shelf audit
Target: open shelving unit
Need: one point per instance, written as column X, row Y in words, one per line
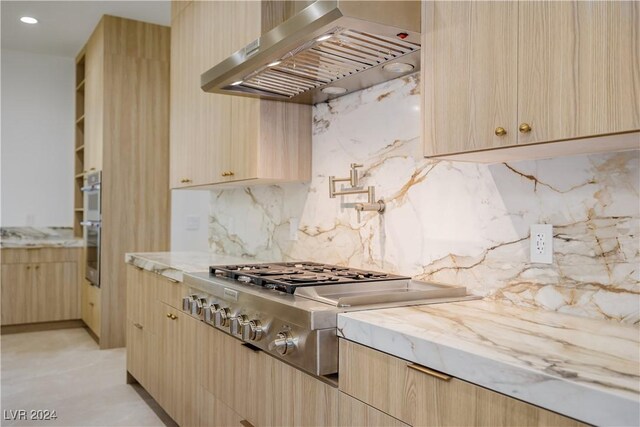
column 79, row 170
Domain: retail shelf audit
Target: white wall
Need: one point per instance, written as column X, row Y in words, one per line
column 37, row 139
column 189, row 207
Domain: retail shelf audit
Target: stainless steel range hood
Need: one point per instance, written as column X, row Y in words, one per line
column 326, row 50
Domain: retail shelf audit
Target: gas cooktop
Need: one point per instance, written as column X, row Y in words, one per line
column 288, row 276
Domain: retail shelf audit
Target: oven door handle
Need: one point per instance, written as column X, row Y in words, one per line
column 87, row 188
column 94, row 224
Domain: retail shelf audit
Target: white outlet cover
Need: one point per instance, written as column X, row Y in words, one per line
column 293, row 228
column 541, row 243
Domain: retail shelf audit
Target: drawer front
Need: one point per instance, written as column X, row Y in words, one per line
column 30, row 255
column 419, row 396
column 352, row 412
column 170, row 291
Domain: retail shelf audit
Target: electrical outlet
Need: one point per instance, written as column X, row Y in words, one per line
column 293, row 228
column 541, row 243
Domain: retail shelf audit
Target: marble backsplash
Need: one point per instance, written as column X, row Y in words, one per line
column 450, row 222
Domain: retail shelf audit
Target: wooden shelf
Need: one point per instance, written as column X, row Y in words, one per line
column 80, row 175
column 80, row 148
column 78, row 210
column 80, row 119
column 80, row 86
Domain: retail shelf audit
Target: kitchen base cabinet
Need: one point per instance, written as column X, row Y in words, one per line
column 40, row 285
column 420, row 397
column 212, row 412
column 91, row 307
column 177, row 384
column 355, row 413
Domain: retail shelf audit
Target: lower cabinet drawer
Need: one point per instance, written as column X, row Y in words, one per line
column 420, row 397
column 352, row 412
column 212, row 412
column 24, row 255
column 170, row 291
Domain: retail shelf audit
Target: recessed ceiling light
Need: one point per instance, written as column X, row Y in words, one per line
column 29, row 20
column 274, row 63
column 398, row 67
column 323, row 38
column 334, row 90
column 236, row 83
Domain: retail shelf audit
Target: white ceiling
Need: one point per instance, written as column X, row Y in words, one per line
column 64, row 26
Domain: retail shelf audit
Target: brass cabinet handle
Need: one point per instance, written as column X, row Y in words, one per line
column 172, row 280
column 525, row 128
column 92, row 169
column 245, row 423
column 138, row 325
column 227, row 173
column 429, row 372
column 185, row 180
column 500, row 131
column 91, row 304
column 28, row 267
column 169, row 315
column 174, row 317
column 37, row 267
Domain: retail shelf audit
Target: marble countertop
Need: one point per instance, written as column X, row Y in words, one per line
column 39, row 237
column 584, row 368
column 174, row 264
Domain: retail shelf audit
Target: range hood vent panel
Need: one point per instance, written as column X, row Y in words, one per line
column 327, row 44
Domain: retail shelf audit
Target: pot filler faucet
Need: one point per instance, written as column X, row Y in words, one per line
column 354, row 180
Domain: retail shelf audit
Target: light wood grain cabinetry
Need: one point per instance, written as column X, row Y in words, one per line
column 127, row 137
column 356, row 413
column 511, row 74
column 422, row 397
column 91, row 307
column 40, row 285
column 217, row 139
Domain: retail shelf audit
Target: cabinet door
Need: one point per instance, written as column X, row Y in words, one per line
column 212, row 412
column 94, row 100
column 579, row 68
column 355, row 413
column 177, row 380
column 469, row 74
column 200, row 121
column 17, row 294
column 57, row 294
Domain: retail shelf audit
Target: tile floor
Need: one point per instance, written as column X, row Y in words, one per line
column 65, row 371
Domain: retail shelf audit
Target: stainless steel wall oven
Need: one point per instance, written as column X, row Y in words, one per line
column 92, row 226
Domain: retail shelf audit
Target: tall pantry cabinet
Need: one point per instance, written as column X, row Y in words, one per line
column 125, row 133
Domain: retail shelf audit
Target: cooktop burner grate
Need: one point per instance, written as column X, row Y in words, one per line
column 288, row 276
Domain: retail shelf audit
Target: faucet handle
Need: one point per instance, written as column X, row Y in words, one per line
column 356, row 165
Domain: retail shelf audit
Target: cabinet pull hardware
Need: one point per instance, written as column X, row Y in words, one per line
column 92, row 169
column 91, row 304
column 174, row 317
column 28, row 267
column 429, row 372
column 138, row 325
column 169, row 315
column 37, row 267
column 139, row 268
column 185, row 180
column 500, row 131
column 227, row 173
column 251, row 347
column 172, row 280
column 245, row 423
column 525, row 128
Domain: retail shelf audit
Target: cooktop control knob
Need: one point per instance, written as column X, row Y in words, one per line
column 237, row 323
column 187, row 301
column 284, row 343
column 198, row 305
column 221, row 318
column 252, row 331
column 210, row 313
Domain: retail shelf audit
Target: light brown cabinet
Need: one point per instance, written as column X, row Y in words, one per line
column 419, row 396
column 126, row 136
column 217, row 139
column 91, row 307
column 356, row 413
column 40, row 285
column 509, row 74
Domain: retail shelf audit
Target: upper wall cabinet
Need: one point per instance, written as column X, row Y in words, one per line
column 218, row 139
column 499, row 76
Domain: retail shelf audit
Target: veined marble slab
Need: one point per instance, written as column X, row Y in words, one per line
column 586, row 369
column 174, row 264
column 39, row 237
